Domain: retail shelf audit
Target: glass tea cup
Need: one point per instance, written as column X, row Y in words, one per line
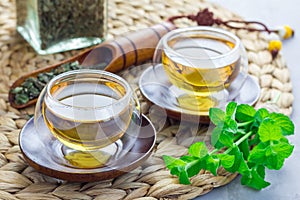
column 88, row 111
column 206, row 65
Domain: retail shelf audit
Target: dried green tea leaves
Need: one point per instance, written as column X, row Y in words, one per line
column 32, row 86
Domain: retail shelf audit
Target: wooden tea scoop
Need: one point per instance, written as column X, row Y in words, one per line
column 114, row 55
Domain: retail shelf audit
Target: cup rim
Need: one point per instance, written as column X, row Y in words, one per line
column 202, row 28
column 89, row 71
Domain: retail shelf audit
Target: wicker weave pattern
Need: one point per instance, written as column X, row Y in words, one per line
column 150, row 181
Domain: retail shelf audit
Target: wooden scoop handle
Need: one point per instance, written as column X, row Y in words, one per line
column 125, row 51
column 131, row 49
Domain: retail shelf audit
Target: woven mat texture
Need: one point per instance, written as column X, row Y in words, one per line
column 151, row 180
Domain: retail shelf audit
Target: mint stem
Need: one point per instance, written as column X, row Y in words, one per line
column 243, row 138
column 237, row 137
column 214, row 151
column 244, row 123
column 190, row 164
column 237, row 143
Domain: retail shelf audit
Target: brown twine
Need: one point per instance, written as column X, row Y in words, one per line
column 206, row 18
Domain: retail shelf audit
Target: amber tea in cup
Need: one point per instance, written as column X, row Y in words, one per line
column 203, row 62
column 88, row 111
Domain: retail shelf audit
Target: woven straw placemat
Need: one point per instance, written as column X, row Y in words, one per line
column 151, row 180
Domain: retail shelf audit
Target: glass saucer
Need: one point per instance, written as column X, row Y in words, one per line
column 156, row 87
column 39, row 149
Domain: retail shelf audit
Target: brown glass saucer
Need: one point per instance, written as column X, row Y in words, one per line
column 156, row 87
column 38, row 148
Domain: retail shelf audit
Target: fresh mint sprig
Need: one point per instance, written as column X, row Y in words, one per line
column 244, row 140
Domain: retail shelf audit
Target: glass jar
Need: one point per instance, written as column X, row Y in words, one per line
column 52, row 26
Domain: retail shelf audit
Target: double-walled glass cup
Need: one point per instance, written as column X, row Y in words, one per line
column 88, row 111
column 207, row 65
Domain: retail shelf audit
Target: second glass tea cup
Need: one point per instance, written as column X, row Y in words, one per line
column 206, row 65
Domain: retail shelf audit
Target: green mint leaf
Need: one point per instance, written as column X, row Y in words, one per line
column 261, row 114
column 269, row 131
column 276, row 154
column 222, row 135
column 216, row 115
column 284, row 140
column 255, row 140
column 187, row 158
column 183, row 178
column 230, row 126
column 226, row 160
column 230, row 109
column 261, row 170
column 176, row 170
column 194, row 167
column 212, row 164
column 283, row 149
column 238, row 157
column 257, row 154
column 215, row 137
column 254, row 180
column 244, row 169
column 171, row 162
column 283, row 122
column 226, row 138
column 198, row 150
column 244, row 113
column 244, row 147
column 273, row 161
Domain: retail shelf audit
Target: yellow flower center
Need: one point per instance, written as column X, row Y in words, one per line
column 275, row 45
column 288, row 32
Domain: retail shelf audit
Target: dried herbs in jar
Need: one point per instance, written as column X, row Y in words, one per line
column 52, row 26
